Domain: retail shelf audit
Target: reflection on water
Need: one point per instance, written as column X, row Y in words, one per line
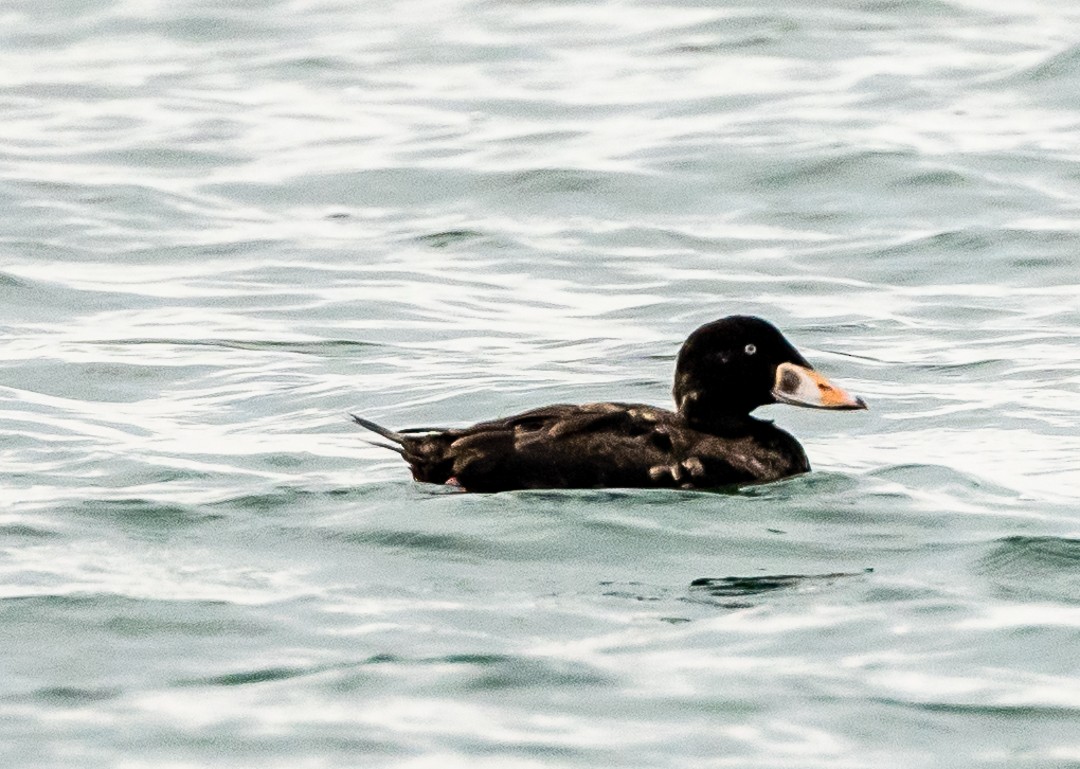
column 735, row 587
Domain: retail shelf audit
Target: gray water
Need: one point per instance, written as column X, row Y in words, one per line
column 226, row 224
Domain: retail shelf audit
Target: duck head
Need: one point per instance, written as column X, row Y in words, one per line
column 729, row 367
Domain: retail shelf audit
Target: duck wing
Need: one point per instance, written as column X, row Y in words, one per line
column 597, row 445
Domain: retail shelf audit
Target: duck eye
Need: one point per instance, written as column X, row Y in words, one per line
column 750, row 349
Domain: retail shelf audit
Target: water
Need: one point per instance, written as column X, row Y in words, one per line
column 227, row 224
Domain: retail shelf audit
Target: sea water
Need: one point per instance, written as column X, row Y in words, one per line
column 227, row 224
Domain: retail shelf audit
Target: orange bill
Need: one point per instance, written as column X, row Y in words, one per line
column 801, row 386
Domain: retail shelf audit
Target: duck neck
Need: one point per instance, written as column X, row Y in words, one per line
column 706, row 417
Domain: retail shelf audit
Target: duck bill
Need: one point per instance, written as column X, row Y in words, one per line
column 802, row 386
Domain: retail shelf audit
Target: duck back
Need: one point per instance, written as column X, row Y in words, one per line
column 599, row 445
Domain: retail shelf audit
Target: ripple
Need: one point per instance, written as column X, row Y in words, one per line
column 705, row 588
column 1035, row 567
column 427, row 541
column 258, row 676
column 448, row 238
column 10, row 281
column 321, row 348
column 64, row 696
column 145, row 515
column 27, row 531
column 935, row 476
column 1063, row 65
column 1024, row 712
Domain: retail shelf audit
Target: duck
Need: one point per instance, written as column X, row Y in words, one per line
column 724, row 371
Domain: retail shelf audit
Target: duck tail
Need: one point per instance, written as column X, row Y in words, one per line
column 390, row 435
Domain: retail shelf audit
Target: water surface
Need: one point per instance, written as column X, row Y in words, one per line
column 227, row 224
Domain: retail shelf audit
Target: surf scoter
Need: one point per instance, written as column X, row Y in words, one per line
column 725, row 370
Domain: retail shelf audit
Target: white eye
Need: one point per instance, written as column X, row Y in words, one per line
column 750, row 349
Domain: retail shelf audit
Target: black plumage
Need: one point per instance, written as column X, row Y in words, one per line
column 725, row 370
